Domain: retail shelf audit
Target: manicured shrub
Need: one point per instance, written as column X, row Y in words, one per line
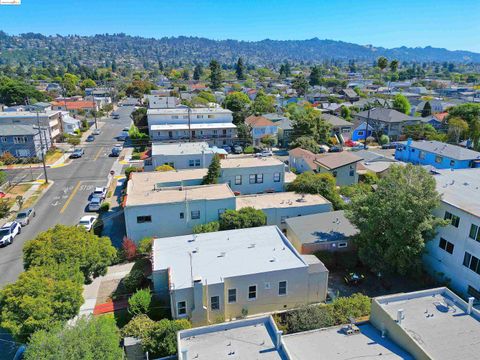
column 139, row 303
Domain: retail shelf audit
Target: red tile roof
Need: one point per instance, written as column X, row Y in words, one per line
column 441, row 116
column 75, row 105
column 306, row 155
column 258, row 121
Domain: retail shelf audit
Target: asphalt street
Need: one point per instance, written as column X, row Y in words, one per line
column 65, row 202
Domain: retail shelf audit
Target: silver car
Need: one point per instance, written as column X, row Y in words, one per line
column 24, row 216
column 94, row 204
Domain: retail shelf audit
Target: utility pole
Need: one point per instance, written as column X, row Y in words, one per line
column 95, row 116
column 366, row 130
column 41, row 147
column 189, row 125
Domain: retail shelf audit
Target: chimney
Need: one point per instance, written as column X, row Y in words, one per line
column 184, row 354
column 278, row 340
column 470, row 305
column 400, row 316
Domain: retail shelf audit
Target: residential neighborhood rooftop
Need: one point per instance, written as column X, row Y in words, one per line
column 444, row 149
column 279, row 200
column 437, row 321
column 335, row 160
column 322, row 227
column 385, row 114
column 185, row 110
column 183, row 148
column 146, row 181
column 460, row 188
column 195, row 126
column 332, row 344
column 219, row 255
column 249, row 161
column 257, row 121
column 14, row 129
column 336, row 121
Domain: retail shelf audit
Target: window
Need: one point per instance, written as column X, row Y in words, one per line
column 334, row 173
column 454, row 219
column 360, row 133
column 215, row 303
column 170, row 164
column 195, row 214
column 471, row 262
column 452, row 163
column 211, row 116
column 446, row 245
column 23, row 152
column 238, row 179
column 199, row 116
column 182, row 215
column 352, row 172
column 148, row 162
column 276, row 177
column 282, row 288
column 197, row 162
column 182, row 308
column 283, row 219
column 438, row 159
column 256, row 178
column 4, row 139
column 191, row 163
column 144, row 219
column 474, row 292
column 342, row 245
column 474, row 232
column 232, row 296
column 19, row 139
column 421, row 154
column 252, row 292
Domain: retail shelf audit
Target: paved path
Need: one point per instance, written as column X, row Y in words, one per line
column 65, row 202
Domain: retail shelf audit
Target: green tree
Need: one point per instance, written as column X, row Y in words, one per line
column 394, row 66
column 87, row 83
column 269, row 141
column 139, row 303
column 73, row 140
column 382, row 62
column 185, row 74
column 88, row 338
column 197, row 72
column 139, row 117
column 246, row 217
column 471, row 114
column 390, row 239
column 384, row 139
column 212, row 226
column 138, row 88
column 322, row 184
column 213, row 171
column 309, row 122
column 240, row 69
column 346, row 113
column 208, row 96
column 42, row 298
column 69, row 83
column 3, row 177
column 15, row 92
column 71, row 245
column 215, row 75
column 401, row 104
column 238, row 103
column 306, row 143
column 263, row 103
column 427, row 109
column 420, row 132
column 145, row 246
column 300, row 84
column 315, row 76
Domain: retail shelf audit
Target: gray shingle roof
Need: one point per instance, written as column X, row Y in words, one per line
column 447, row 150
column 12, row 130
column 385, row 115
column 336, row 121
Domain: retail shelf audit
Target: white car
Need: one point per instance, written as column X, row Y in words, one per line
column 264, row 153
column 87, row 221
column 99, row 192
column 8, row 232
column 96, row 132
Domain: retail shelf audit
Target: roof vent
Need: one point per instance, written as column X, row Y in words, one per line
column 222, row 254
column 251, row 246
column 273, row 259
column 400, row 316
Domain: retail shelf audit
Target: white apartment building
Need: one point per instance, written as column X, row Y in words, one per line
column 152, row 210
column 162, row 102
column 453, row 255
column 206, row 277
column 281, row 206
column 214, row 125
column 182, row 155
column 51, row 119
column 251, row 175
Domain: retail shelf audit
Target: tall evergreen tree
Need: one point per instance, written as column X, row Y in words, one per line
column 197, row 72
column 315, row 76
column 240, row 69
column 213, row 171
column 427, row 109
column 215, row 75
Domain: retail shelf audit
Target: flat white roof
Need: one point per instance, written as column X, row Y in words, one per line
column 332, row 344
column 145, row 181
column 203, row 126
column 437, row 321
column 219, row 255
column 179, row 195
column 279, row 200
column 460, row 188
column 28, row 114
column 184, row 111
column 182, row 148
column 249, row 161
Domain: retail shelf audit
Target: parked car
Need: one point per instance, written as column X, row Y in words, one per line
column 115, row 116
column 8, row 232
column 90, row 138
column 122, row 137
column 115, row 152
column 126, row 129
column 392, row 145
column 87, row 221
column 96, row 132
column 227, row 148
column 94, row 204
column 359, row 147
column 237, row 149
column 335, row 148
column 99, row 192
column 24, row 216
column 77, row 153
column 264, row 153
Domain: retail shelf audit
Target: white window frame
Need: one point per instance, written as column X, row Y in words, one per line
column 342, row 245
column 256, row 293
column 20, row 140
column 228, row 296
column 286, row 288
column 275, row 178
column 238, row 182
column 178, row 308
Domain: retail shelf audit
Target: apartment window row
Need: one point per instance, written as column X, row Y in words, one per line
column 454, row 219
column 19, row 139
column 194, row 163
column 474, row 232
column 194, row 215
column 446, row 245
column 256, row 178
column 471, row 262
column 144, row 219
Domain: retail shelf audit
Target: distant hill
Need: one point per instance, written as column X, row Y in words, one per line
column 31, row 47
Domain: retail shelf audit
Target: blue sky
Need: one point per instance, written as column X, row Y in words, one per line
column 452, row 24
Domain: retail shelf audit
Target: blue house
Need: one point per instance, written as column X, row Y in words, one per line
column 359, row 132
column 23, row 141
column 437, row 154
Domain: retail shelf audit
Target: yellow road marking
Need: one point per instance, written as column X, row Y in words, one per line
column 98, row 154
column 70, row 198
